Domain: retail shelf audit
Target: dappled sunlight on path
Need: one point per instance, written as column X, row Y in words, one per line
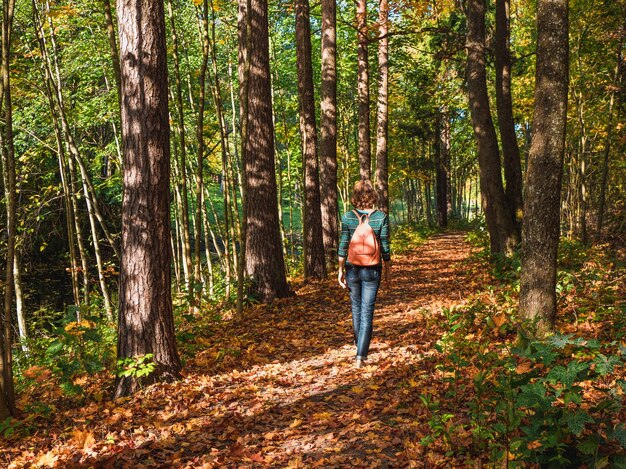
column 280, row 389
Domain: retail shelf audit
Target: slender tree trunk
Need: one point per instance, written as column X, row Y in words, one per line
column 264, row 256
column 51, row 65
column 146, row 323
column 115, row 56
column 609, row 131
column 442, row 165
column 200, row 154
column 382, row 176
column 504, row 105
column 365, row 156
column 328, row 131
column 314, row 263
column 243, row 70
column 540, row 235
column 499, row 220
column 7, row 391
column 229, row 219
column 209, row 261
column 182, row 136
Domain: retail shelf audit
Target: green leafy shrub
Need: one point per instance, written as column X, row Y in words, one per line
column 554, row 402
column 70, row 349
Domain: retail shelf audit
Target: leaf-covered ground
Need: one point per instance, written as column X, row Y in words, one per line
column 279, row 388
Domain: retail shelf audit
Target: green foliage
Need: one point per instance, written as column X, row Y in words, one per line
column 542, row 403
column 139, row 366
column 69, row 350
column 407, row 237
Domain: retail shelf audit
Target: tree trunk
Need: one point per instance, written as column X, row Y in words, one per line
column 609, row 131
column 540, row 235
column 365, row 155
column 499, row 220
column 442, row 164
column 382, row 175
column 314, row 264
column 7, row 391
column 328, row 131
column 186, row 243
column 146, row 323
column 200, row 155
column 504, row 105
column 243, row 71
column 264, row 256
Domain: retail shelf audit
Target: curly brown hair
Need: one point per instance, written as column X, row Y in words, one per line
column 364, row 195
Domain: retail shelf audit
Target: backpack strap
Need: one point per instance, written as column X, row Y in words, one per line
column 360, row 217
column 366, row 215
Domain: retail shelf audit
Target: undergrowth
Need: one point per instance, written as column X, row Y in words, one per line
column 557, row 402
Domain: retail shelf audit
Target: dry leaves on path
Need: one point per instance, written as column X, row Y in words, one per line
column 280, row 387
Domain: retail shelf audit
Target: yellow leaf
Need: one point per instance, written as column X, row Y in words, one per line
column 296, row 423
column 83, row 439
column 47, row 460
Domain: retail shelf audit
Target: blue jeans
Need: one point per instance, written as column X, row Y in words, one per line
column 363, row 283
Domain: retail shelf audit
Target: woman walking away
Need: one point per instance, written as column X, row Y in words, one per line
column 363, row 246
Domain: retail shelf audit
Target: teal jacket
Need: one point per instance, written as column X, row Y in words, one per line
column 379, row 221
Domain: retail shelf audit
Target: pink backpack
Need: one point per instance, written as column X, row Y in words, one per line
column 364, row 249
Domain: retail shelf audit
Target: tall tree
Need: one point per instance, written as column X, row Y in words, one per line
column 243, row 71
column 328, row 130
column 504, row 106
column 382, row 173
column 365, row 152
column 542, row 195
column 442, row 162
column 314, row 264
column 265, row 263
column 146, row 323
column 7, row 393
column 499, row 221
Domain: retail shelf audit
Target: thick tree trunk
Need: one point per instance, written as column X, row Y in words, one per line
column 365, row 153
column 499, row 221
column 382, row 174
column 504, row 105
column 264, row 256
column 146, row 324
column 328, row 131
column 314, row 265
column 540, row 235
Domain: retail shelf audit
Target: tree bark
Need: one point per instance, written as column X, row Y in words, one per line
column 442, row 164
column 7, row 391
column 506, row 123
column 204, row 21
column 499, row 220
column 328, row 131
column 365, row 153
column 146, row 324
column 264, row 256
column 314, row 264
column 540, row 233
column 609, row 131
column 186, row 243
column 243, row 72
column 382, row 174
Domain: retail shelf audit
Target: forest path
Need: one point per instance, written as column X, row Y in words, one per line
column 280, row 389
